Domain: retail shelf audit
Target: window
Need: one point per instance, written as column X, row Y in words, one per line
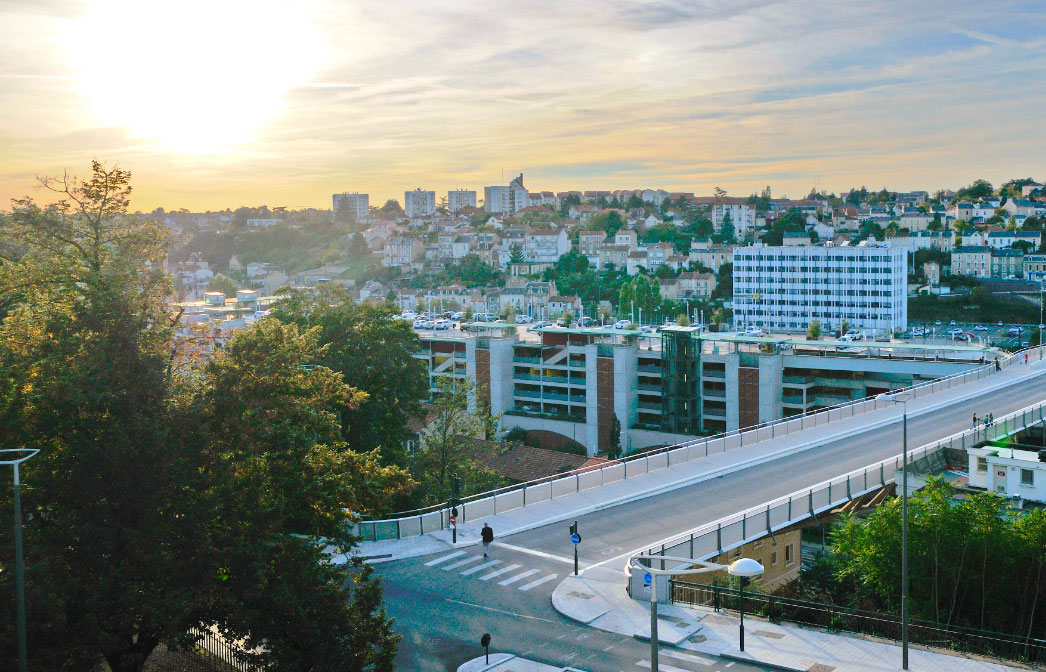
column 1027, row 477
column 788, row 554
column 773, row 558
column 982, row 464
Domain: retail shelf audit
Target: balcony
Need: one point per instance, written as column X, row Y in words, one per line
column 650, row 369
column 646, row 387
column 714, row 373
column 526, row 360
column 650, row 406
column 719, row 394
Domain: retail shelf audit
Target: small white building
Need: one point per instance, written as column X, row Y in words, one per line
column 1006, row 472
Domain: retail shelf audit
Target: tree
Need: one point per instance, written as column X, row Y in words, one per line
column 980, row 189
column 641, row 293
column 391, row 209
column 164, row 499
column 614, row 449
column 813, row 330
column 724, row 288
column 683, row 320
column 451, row 447
column 375, row 354
column 792, row 221
column 611, row 222
column 726, row 230
column 358, row 250
column 516, row 254
column 224, row 284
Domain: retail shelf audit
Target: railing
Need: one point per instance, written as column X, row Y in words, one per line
column 481, row 505
column 219, row 654
column 845, row 619
column 759, row 521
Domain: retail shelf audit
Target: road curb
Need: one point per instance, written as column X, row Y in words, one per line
column 761, row 663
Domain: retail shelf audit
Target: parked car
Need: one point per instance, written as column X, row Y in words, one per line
column 524, row 319
column 441, row 324
column 1014, row 331
column 938, row 323
column 980, row 327
column 999, row 324
column 419, row 324
column 954, row 330
column 646, row 329
column 621, row 324
column 952, row 323
column 962, row 336
column 428, row 324
column 540, row 324
column 753, row 331
column 457, row 316
column 587, row 322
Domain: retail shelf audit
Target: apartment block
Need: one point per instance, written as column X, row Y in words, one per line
column 351, row 205
column 784, row 289
column 460, row 198
column 419, row 203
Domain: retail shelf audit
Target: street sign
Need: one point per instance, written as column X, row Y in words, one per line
column 484, row 641
column 576, row 538
column 647, row 578
column 453, row 520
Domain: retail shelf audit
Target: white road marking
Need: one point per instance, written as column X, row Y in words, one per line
column 690, row 659
column 503, row 570
column 462, row 563
column 661, row 666
column 540, row 554
column 455, row 554
column 728, row 665
column 480, row 568
column 519, row 576
column 501, row 611
column 544, row 579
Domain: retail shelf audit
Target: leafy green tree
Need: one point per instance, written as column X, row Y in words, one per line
column 980, row 189
column 165, row 499
column 611, row 222
column 452, row 445
column 392, row 209
column 358, row 250
column 724, row 288
column 726, row 231
column 1012, row 189
column 813, row 330
column 374, row 354
column 641, row 293
column 516, row 254
column 222, row 283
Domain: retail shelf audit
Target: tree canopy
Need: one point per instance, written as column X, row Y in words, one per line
column 166, row 497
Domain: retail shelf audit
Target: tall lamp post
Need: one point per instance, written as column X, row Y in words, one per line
column 902, row 398
column 745, row 568
column 15, row 457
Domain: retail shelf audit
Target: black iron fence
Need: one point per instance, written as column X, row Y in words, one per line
column 844, row 619
column 218, row 654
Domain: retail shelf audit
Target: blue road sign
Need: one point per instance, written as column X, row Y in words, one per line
column 576, row 538
column 647, row 578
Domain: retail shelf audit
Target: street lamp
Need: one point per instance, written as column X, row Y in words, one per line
column 902, row 398
column 17, row 457
column 745, row 568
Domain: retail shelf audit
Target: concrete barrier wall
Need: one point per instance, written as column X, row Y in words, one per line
column 538, row 493
column 564, row 486
column 507, row 501
column 677, row 456
column 480, row 508
column 614, row 472
column 590, row 479
column 658, row 461
column 634, row 468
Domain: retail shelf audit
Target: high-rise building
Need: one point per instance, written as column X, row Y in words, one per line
column 351, row 205
column 460, row 198
column 506, row 200
column 787, row 288
column 419, row 203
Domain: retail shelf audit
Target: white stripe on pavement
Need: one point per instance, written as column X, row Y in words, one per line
column 690, row 659
column 661, row 666
column 519, row 576
column 540, row 581
column 503, row 570
column 461, row 563
column 455, row 554
column 480, row 568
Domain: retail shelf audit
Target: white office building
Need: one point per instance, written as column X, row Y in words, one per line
column 352, row 206
column 506, row 200
column 419, row 203
column 742, row 215
column 460, row 198
column 783, row 289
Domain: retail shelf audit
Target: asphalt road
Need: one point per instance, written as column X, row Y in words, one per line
column 442, row 611
column 443, row 605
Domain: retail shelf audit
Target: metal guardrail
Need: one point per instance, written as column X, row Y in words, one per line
column 430, row 519
column 836, row 618
column 759, row 521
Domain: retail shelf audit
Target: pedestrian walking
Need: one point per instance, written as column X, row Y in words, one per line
column 1025, row 358
column 487, row 535
column 974, row 421
column 991, row 419
column 986, row 422
column 997, row 367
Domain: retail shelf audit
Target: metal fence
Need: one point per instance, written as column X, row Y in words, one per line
column 844, row 619
column 430, row 519
column 219, row 654
column 733, row 531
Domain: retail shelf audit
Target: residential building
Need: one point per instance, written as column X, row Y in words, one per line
column 974, row 261
column 627, row 237
column 915, row 221
column 1034, row 267
column 589, row 243
column 1020, row 474
column 613, row 256
column 1007, row 263
column 1028, row 188
column 1020, row 206
column 460, row 198
column 636, row 260
column 400, row 251
column 255, row 223
column 658, row 254
column 742, row 215
column 711, row 256
column 696, row 285
column 786, row 288
column 351, row 206
column 1002, row 240
column 506, row 200
column 546, row 246
column 419, row 203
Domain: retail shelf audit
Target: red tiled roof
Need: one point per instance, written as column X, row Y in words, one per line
column 522, row 463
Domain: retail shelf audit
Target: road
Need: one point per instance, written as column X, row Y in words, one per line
column 442, row 608
column 443, row 605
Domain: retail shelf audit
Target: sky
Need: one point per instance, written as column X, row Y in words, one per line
column 215, row 104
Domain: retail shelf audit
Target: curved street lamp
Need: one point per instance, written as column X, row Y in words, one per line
column 15, row 457
column 902, row 398
column 745, row 568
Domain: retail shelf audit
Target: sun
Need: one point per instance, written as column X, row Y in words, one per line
column 192, row 76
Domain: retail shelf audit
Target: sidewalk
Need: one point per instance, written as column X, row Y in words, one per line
column 506, row 662
column 598, row 599
column 684, row 474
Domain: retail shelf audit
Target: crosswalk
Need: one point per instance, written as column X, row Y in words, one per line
column 669, row 661
column 475, row 566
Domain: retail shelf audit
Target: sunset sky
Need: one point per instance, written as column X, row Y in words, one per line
column 214, row 104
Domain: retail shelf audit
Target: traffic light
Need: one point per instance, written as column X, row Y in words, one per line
column 573, row 528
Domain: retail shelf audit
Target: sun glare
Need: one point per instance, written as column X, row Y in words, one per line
column 192, row 76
